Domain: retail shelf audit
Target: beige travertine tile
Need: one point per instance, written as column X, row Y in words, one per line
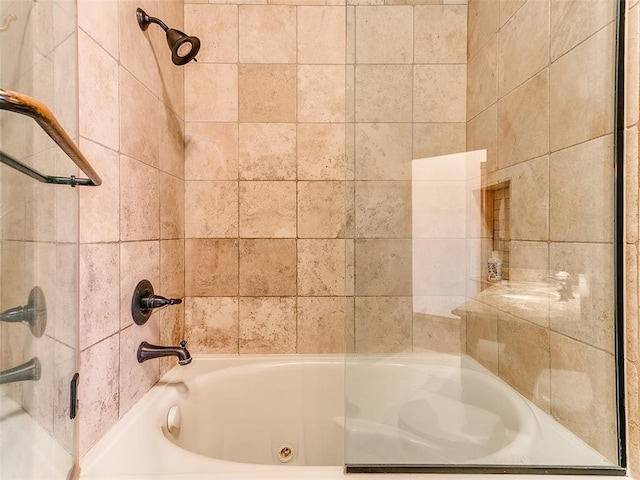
column 482, row 79
column 98, row 391
column 631, row 302
column 384, row 34
column 171, row 268
column 508, row 8
column 267, row 93
column 439, row 334
column 321, row 93
column 383, row 151
column 267, row 267
column 172, row 213
column 482, row 333
column 631, row 405
column 321, row 151
column 383, row 93
column 98, row 93
column 66, row 365
column 383, row 209
column 139, row 113
column 582, row 77
column 211, row 151
column 524, row 45
column 212, row 209
column 322, row 210
column 523, row 122
column 138, row 261
column 172, row 140
column 589, row 316
column 440, row 93
column 321, row 267
column 99, row 276
column 136, row 378
column 528, row 261
column 582, row 205
column 267, row 209
column 440, row 34
column 632, row 65
column 267, row 325
column 66, row 286
column 434, row 139
column 267, row 151
column 217, row 28
column 171, row 77
column 383, row 324
column 321, row 35
column 267, row 33
column 383, row 267
column 573, row 21
column 139, row 51
column 482, row 134
column 483, row 18
column 100, row 203
column 211, row 267
column 139, row 200
column 524, row 360
column 212, row 324
column 211, row 92
column 321, row 324
column 529, row 202
column 100, row 20
column 631, row 186
column 583, row 393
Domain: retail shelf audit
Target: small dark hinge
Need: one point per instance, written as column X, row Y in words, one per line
column 73, row 403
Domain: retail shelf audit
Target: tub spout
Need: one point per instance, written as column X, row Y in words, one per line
column 147, row 351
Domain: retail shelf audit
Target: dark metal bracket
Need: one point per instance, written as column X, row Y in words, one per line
column 73, row 397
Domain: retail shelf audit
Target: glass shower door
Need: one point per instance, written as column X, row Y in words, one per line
column 484, row 309
column 39, row 248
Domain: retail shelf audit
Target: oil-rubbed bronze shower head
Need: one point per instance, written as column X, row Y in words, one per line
column 183, row 47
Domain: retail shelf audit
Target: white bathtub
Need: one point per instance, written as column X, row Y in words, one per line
column 282, row 417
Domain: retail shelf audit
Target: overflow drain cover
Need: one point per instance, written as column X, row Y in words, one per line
column 285, row 453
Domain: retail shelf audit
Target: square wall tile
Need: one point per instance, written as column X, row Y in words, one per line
column 321, row 325
column 321, row 93
column 217, row 27
column 593, row 189
column 440, row 93
column 482, row 23
column 508, row 8
column 383, row 324
column 383, row 209
column 139, row 200
column 212, row 209
column 172, row 268
column 100, row 19
column 138, row 261
column 267, row 267
column 211, row 151
column 172, row 213
column 321, row 151
column 482, row 79
column 383, row 151
column 383, row 267
column 528, row 261
column 435, row 139
column 211, row 267
column 383, row 93
column 211, row 324
column 384, row 34
column 321, row 35
column 524, row 45
column 438, row 333
column 267, row 33
column 267, row 209
column 172, row 140
column 267, row 151
column 582, row 77
column 267, row 325
column 322, row 209
column 321, row 267
column 267, row 93
column 523, row 122
column 440, row 33
column 211, row 92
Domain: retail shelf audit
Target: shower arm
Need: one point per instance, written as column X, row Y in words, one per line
column 145, row 20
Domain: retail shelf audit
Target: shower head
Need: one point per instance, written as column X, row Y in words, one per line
column 183, row 47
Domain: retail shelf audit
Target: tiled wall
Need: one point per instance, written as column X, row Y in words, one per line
column 539, row 100
column 265, row 179
column 132, row 227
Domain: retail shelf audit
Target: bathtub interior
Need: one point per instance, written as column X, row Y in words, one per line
column 242, row 414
